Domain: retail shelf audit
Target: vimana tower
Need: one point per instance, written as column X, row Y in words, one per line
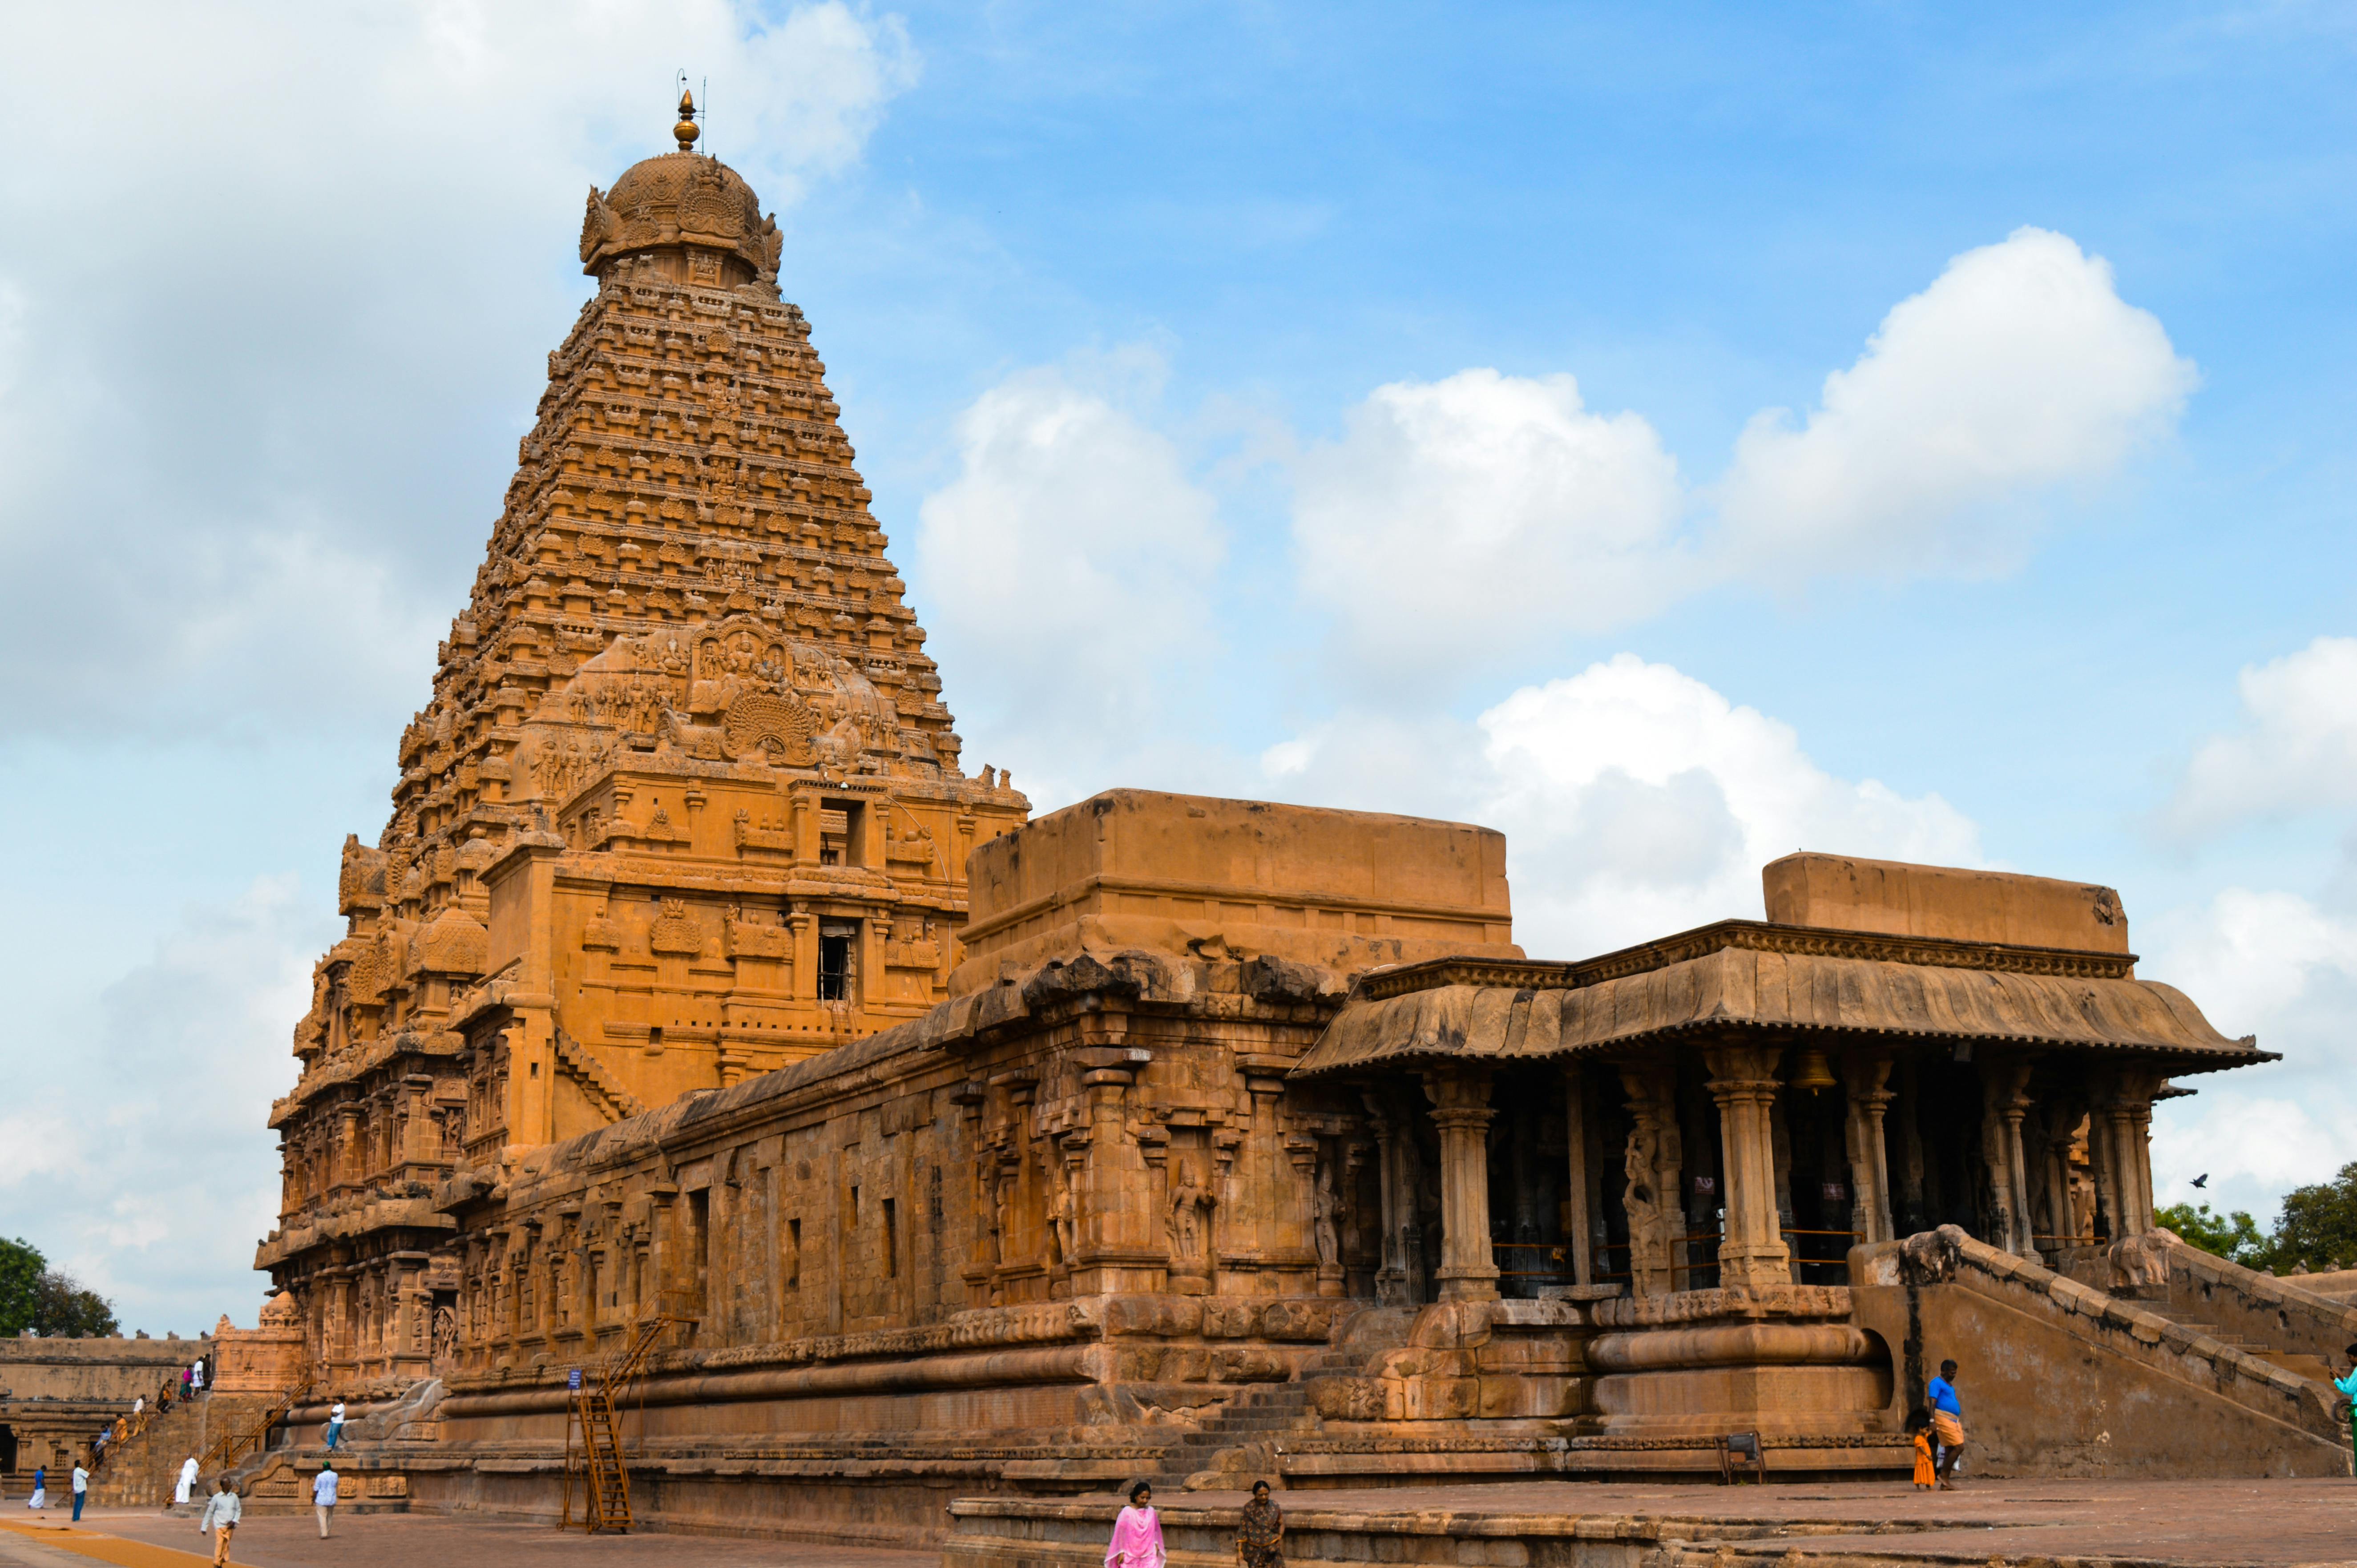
column 686, row 740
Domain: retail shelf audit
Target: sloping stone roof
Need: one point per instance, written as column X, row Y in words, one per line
column 1741, row 974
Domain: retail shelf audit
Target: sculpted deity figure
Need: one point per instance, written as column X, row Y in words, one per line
column 1649, row 1241
column 1186, row 1220
column 1325, row 1207
column 1063, row 1221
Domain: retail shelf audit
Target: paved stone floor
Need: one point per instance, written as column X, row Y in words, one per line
column 2264, row 1524
column 145, row 1539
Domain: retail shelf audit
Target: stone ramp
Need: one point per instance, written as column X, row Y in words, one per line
column 2061, row 1379
column 2033, row 1523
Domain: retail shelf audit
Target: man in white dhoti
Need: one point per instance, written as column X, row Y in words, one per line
column 188, row 1479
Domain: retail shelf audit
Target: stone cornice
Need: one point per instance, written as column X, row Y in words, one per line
column 1757, row 936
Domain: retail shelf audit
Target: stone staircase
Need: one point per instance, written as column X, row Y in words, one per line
column 1227, row 1450
column 2299, row 1363
column 148, row 1467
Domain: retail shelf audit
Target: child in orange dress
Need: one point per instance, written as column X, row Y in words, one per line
column 1919, row 1422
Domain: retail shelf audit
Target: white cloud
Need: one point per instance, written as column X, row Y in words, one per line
column 2020, row 368
column 1067, row 569
column 2297, row 749
column 1473, row 520
column 318, row 254
column 156, row 1197
column 1481, row 516
column 1636, row 800
column 2272, row 964
column 1646, row 801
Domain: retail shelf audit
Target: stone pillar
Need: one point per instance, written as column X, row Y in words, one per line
column 805, row 829
column 1651, row 1164
column 2013, row 1108
column 2003, row 1104
column 1869, row 1166
column 2123, row 1130
column 1743, row 1081
column 804, row 927
column 1117, row 1244
column 1460, row 1109
column 1579, row 1216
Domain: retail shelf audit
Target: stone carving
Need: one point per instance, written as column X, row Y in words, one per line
column 1189, row 1223
column 757, row 722
column 1325, row 1210
column 675, row 931
column 1063, row 1223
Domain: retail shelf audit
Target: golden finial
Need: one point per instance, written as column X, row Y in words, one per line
column 685, row 130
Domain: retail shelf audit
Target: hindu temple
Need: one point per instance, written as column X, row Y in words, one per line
column 702, row 1020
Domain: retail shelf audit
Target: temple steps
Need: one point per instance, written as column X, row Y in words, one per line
column 2298, row 1363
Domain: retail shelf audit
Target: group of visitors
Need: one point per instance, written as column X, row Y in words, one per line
column 41, row 1498
column 1938, row 1428
column 1138, row 1532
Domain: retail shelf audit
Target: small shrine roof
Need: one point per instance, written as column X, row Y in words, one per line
column 1748, row 974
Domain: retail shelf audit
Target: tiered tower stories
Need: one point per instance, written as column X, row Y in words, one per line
column 685, row 805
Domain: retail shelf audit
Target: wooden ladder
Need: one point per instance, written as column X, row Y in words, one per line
column 605, row 1493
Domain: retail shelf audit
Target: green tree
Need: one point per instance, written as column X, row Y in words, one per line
column 2319, row 1224
column 21, row 1267
column 63, row 1309
column 2234, row 1237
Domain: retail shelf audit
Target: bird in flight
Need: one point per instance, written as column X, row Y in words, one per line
column 2202, row 1180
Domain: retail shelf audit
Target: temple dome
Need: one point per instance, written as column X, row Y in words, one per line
column 687, row 216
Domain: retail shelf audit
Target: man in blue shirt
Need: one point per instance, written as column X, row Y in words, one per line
column 1947, row 1425
column 2348, row 1386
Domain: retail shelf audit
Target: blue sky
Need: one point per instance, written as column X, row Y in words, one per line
column 1226, row 347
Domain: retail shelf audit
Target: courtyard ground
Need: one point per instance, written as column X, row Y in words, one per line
column 2262, row 1524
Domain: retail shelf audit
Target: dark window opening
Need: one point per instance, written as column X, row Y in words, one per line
column 793, row 1254
column 834, row 962
column 699, row 1240
column 891, row 1240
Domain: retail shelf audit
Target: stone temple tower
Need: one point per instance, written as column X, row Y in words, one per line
column 686, row 804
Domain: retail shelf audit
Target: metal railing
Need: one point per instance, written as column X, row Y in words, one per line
column 1514, row 1258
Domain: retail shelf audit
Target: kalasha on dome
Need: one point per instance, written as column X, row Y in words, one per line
column 683, row 216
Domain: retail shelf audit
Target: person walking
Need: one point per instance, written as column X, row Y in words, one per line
column 184, row 1382
column 41, row 1498
column 81, row 1488
column 335, row 1423
column 196, row 1377
column 1137, row 1534
column 188, row 1479
column 2348, row 1386
column 1260, row 1537
column 323, row 1496
column 221, row 1513
column 1947, row 1425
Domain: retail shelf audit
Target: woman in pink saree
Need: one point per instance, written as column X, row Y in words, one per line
column 1137, row 1534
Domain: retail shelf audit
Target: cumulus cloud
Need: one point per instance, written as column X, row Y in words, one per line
column 1636, row 800
column 2277, row 965
column 2020, row 368
column 260, row 411
column 1071, row 563
column 157, row 1199
column 2296, row 751
column 1484, row 512
column 1474, row 521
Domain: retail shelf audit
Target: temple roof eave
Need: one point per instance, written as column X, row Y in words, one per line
column 1731, row 979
